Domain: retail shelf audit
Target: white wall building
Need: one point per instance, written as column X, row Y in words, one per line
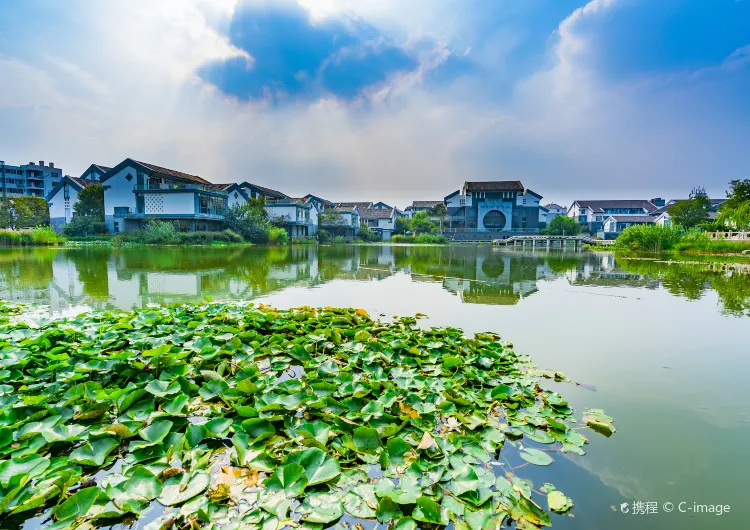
column 299, row 217
column 135, row 192
column 63, row 198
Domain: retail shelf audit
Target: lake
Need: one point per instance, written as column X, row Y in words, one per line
column 663, row 347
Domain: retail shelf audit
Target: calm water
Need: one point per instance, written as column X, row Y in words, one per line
column 664, row 348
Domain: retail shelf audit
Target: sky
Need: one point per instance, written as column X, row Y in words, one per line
column 386, row 100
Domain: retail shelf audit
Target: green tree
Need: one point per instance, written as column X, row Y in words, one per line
column 401, row 225
column 691, row 212
column 248, row 220
column 420, row 223
column 439, row 212
column 735, row 211
column 90, row 203
column 88, row 213
column 562, row 225
column 330, row 217
column 365, row 234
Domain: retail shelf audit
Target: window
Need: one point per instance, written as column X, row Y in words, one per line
column 524, row 201
column 494, row 220
column 117, row 227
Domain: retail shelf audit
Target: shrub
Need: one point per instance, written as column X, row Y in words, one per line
column 82, row 225
column 367, row 235
column 303, row 241
column 339, row 239
column 430, row 239
column 324, row 236
column 23, row 212
column 277, row 235
column 421, row 239
column 648, row 238
column 562, row 225
column 248, row 220
column 36, row 237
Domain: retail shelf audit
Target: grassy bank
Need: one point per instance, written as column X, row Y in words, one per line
column 653, row 239
column 37, row 237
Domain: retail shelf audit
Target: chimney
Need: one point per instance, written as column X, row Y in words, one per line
column 41, row 163
column 52, row 165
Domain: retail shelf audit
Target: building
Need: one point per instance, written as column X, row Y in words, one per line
column 380, row 220
column 614, row 224
column 298, row 216
column 420, row 206
column 29, row 180
column 135, row 192
column 592, row 214
column 494, row 206
column 63, row 198
column 94, row 172
column 554, row 210
column 662, row 213
column 345, row 222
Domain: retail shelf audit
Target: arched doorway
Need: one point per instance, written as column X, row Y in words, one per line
column 494, row 220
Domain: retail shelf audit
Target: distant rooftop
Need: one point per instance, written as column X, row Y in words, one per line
column 376, row 213
column 495, row 185
column 598, row 206
column 173, row 173
column 352, row 205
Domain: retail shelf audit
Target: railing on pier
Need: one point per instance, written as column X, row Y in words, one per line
column 729, row 236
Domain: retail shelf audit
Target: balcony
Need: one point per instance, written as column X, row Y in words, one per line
column 173, row 188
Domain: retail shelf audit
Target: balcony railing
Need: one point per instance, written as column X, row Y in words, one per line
column 480, row 230
column 174, row 187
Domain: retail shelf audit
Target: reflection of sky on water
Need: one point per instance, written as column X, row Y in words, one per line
column 664, row 344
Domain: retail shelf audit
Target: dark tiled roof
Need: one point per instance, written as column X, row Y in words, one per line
column 102, row 168
column 269, row 191
column 495, row 185
column 425, row 204
column 352, row 205
column 599, row 206
column 84, row 183
column 553, row 206
column 375, row 213
column 633, row 218
column 220, row 187
column 299, row 200
column 172, row 173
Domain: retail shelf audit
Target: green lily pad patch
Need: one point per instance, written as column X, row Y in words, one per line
column 241, row 416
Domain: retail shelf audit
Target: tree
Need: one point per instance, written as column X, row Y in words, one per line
column 439, row 212
column 88, row 213
column 23, row 212
column 691, row 212
column 248, row 220
column 401, row 225
column 736, row 210
column 420, row 224
column 367, row 235
column 562, row 225
column 90, row 202
column 330, row 217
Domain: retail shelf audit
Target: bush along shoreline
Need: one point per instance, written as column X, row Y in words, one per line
column 660, row 239
column 37, row 237
column 253, row 417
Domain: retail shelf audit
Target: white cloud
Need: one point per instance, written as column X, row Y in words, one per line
column 129, row 89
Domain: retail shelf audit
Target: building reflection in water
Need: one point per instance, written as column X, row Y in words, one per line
column 133, row 277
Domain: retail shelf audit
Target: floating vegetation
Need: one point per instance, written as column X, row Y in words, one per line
column 235, row 416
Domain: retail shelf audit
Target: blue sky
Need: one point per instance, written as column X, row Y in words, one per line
column 387, row 100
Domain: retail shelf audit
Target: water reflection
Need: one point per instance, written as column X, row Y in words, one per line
column 134, row 277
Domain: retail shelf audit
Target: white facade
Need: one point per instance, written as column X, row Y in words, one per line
column 61, row 205
column 300, row 220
